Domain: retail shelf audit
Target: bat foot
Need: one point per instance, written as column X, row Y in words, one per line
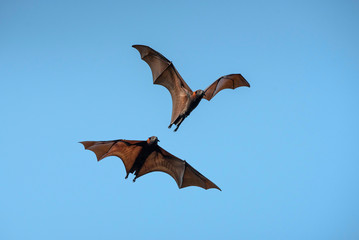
column 134, row 180
column 170, row 125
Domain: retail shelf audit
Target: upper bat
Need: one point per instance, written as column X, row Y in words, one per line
column 184, row 100
column 142, row 157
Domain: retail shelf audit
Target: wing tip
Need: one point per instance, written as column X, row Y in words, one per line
column 142, row 49
column 245, row 82
column 213, row 186
column 88, row 144
column 248, row 85
column 205, row 188
column 136, row 45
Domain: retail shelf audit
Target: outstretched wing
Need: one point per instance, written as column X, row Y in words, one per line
column 165, row 74
column 183, row 173
column 229, row 81
column 124, row 149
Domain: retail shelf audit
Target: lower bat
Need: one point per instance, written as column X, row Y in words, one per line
column 142, row 157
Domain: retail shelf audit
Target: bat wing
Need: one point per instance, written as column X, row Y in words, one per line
column 183, row 173
column 164, row 73
column 124, row 149
column 229, row 81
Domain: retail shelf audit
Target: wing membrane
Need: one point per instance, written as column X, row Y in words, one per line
column 183, row 173
column 164, row 73
column 124, row 149
column 231, row 81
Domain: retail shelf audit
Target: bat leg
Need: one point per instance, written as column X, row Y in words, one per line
column 176, row 128
column 170, row 125
column 179, row 124
column 178, row 119
column 127, row 175
column 134, row 180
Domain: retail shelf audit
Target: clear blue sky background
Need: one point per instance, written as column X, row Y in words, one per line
column 284, row 152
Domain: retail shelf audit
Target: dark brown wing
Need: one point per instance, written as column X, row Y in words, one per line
column 229, row 81
column 183, row 173
column 165, row 74
column 124, row 149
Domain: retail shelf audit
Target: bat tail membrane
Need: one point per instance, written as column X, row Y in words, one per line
column 100, row 148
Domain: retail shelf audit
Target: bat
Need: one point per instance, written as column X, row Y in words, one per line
column 142, row 157
column 184, row 100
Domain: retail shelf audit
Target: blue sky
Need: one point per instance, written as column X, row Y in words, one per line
column 284, row 152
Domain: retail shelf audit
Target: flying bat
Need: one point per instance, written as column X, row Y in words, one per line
column 142, row 157
column 184, row 100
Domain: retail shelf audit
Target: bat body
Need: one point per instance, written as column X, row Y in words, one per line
column 184, row 100
column 142, row 157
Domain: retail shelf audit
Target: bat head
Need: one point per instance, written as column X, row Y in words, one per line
column 152, row 140
column 199, row 93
